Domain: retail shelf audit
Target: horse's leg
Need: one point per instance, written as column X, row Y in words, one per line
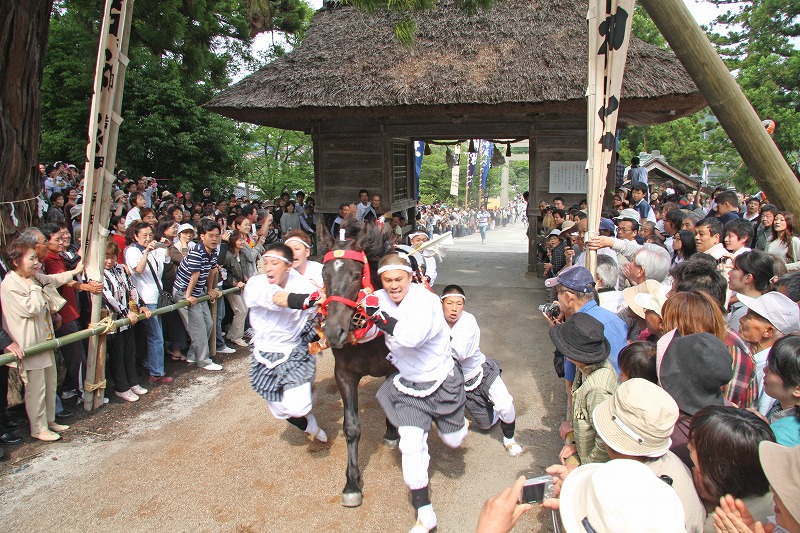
column 348, row 388
column 391, row 438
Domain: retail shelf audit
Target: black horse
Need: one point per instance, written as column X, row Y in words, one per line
column 349, row 266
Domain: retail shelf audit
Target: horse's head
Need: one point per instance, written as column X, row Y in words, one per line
column 346, row 274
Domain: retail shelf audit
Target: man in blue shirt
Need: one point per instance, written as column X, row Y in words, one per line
column 576, row 294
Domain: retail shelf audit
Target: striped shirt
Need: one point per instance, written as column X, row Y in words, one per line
column 197, row 260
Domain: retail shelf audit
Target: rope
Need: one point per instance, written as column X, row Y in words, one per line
column 19, row 201
column 108, row 325
column 91, row 387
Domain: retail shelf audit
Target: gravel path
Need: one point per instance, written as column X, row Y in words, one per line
column 205, row 455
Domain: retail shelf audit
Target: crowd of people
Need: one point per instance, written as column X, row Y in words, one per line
column 680, row 355
column 681, row 361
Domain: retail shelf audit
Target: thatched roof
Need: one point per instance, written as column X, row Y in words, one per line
column 522, row 56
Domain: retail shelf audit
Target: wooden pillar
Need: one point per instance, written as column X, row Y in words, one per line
column 731, row 107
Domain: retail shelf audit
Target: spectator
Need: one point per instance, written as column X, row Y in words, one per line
column 74, row 353
column 650, row 262
column 344, row 212
column 785, row 244
column 768, row 318
column 364, row 208
column 723, row 444
column 191, row 282
column 56, row 212
column 638, row 360
column 738, row 236
column 781, row 466
column 764, row 228
column 557, row 258
column 233, row 263
column 637, row 174
column 684, row 246
column 727, row 207
column 636, row 424
column 752, row 214
column 751, row 275
column 606, row 278
column 639, row 194
column 782, row 382
column 290, row 219
column 708, row 238
column 581, row 339
column 122, row 301
column 137, row 202
column 621, row 496
column 789, row 284
column 27, row 319
column 145, row 257
column 167, row 233
column 692, row 369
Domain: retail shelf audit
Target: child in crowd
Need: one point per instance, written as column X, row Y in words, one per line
column 122, row 300
column 488, row 399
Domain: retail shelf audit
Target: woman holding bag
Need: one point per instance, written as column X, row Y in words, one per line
column 145, row 258
column 27, row 319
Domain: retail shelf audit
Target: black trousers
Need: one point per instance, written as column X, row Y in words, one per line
column 74, row 358
column 121, row 347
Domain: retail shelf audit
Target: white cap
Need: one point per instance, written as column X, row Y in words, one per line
column 629, row 214
column 187, row 227
column 621, row 496
column 556, row 232
column 778, row 309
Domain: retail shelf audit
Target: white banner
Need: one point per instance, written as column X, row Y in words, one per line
column 456, row 171
column 609, row 34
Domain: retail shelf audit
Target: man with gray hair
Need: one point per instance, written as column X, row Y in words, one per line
column 606, row 277
column 650, row 262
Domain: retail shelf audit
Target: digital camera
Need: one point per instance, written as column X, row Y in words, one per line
column 537, row 490
column 552, row 309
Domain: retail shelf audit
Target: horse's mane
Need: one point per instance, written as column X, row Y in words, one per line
column 367, row 237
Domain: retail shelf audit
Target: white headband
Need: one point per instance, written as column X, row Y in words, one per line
column 453, row 294
column 414, row 234
column 277, row 256
column 386, row 268
column 297, row 239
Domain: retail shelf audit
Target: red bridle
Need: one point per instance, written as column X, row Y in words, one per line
column 366, row 279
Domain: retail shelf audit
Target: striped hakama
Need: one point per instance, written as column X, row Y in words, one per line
column 445, row 405
column 298, row 369
column 478, row 404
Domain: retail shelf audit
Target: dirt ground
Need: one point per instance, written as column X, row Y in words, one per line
column 204, row 454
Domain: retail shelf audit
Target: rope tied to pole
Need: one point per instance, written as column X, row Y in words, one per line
column 91, row 387
column 108, row 325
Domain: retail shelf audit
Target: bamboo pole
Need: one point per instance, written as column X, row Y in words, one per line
column 726, row 99
column 35, row 349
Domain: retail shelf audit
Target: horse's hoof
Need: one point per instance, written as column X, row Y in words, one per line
column 351, row 499
column 391, row 443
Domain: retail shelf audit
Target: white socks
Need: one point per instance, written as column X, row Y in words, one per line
column 426, row 515
column 313, row 429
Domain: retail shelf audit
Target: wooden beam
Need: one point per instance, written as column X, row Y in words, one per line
column 731, row 107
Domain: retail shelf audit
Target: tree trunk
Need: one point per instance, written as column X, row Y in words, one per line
column 24, row 27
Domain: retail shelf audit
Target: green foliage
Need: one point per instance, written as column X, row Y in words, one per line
column 645, row 29
column 180, row 54
column 435, row 177
column 278, row 160
column 757, row 42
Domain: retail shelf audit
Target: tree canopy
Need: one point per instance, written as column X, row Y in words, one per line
column 181, row 53
column 757, row 39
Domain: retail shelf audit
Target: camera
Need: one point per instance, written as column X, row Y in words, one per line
column 537, row 489
column 552, row 309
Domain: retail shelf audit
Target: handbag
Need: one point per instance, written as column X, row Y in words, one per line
column 164, row 298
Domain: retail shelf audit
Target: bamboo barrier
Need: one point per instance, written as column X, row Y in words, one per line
column 100, row 330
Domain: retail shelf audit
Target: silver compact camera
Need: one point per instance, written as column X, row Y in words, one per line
column 552, row 309
column 537, row 490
